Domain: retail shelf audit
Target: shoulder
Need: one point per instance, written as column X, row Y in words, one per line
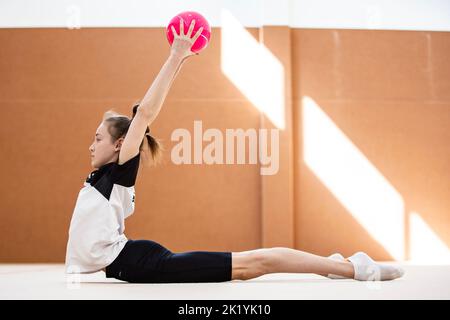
column 125, row 174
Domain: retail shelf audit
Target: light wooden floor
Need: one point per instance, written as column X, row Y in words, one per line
column 48, row 281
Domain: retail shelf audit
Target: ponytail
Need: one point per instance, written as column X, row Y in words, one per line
column 149, row 142
column 118, row 126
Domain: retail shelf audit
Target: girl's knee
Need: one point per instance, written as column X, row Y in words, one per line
column 250, row 264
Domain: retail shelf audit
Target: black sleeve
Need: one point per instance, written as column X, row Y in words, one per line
column 125, row 174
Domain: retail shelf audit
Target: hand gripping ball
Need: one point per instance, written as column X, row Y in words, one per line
column 187, row 17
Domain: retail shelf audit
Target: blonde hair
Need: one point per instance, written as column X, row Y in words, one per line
column 118, row 126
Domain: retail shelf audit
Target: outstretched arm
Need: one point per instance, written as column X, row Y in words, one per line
column 181, row 50
column 154, row 98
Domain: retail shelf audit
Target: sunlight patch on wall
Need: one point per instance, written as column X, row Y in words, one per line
column 425, row 246
column 355, row 182
column 253, row 69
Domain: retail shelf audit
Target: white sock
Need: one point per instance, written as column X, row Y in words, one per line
column 337, row 257
column 367, row 269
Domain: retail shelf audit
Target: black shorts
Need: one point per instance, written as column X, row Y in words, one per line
column 146, row 261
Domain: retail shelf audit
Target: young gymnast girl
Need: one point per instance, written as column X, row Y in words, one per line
column 96, row 235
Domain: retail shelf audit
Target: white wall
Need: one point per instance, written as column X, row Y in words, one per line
column 372, row 14
column 343, row 14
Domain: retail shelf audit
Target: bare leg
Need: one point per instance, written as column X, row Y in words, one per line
column 254, row 263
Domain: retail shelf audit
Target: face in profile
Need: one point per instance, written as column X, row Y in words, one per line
column 102, row 150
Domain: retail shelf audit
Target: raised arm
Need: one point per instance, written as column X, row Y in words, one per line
column 181, row 49
column 153, row 100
